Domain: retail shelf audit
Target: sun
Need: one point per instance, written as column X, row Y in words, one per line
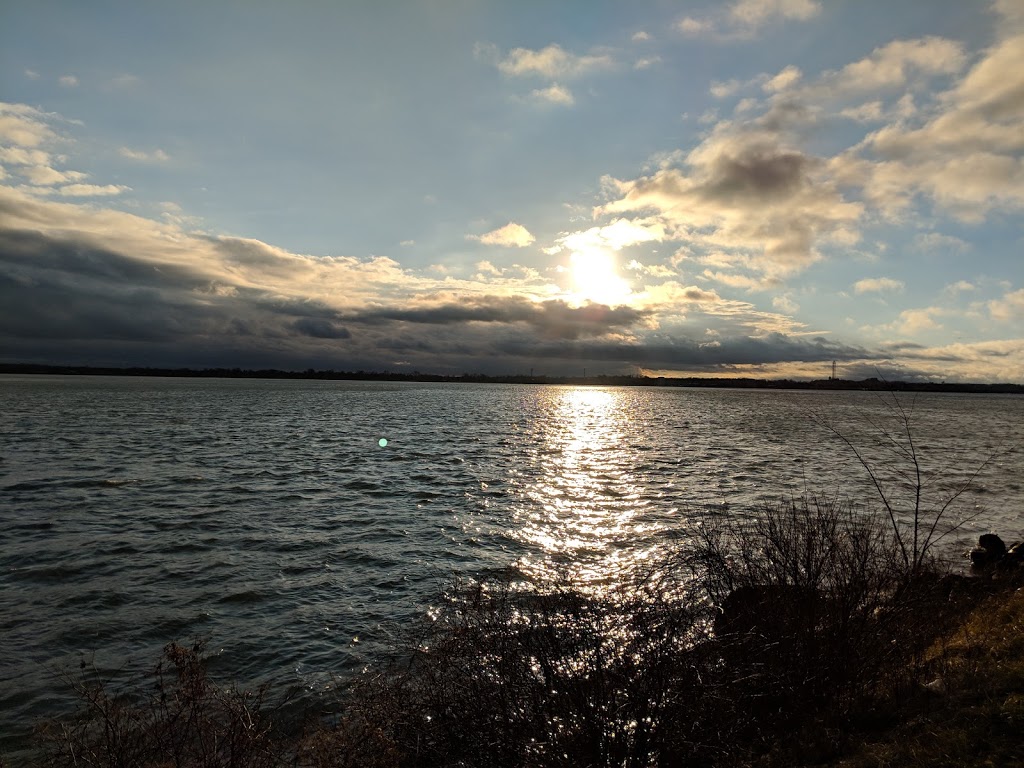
column 596, row 279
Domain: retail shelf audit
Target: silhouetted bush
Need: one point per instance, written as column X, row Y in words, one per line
column 183, row 720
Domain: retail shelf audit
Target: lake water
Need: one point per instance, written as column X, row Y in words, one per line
column 267, row 517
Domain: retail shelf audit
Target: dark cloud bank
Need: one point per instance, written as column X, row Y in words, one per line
column 65, row 301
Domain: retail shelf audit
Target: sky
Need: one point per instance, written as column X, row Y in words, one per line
column 753, row 188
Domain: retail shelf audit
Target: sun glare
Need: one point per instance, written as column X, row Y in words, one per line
column 596, row 279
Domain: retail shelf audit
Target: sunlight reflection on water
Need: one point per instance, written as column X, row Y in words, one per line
column 584, row 512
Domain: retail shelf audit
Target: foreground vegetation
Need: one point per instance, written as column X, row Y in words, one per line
column 798, row 636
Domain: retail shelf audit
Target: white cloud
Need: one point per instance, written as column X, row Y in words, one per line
column 891, row 65
column 156, row 156
column 20, row 156
column 512, row 234
column 878, row 285
column 640, row 37
column 23, row 126
column 871, row 111
column 960, row 286
column 615, row 236
column 487, row 268
column 31, row 74
column 92, row 190
column 692, row 27
column 68, row 81
column 722, row 90
column 553, row 94
column 1011, row 14
column 1009, row 308
column 746, row 192
column 783, row 80
column 935, row 241
column 755, row 13
column 44, row 175
column 733, row 280
column 914, row 321
column 965, row 157
column 647, row 62
column 786, row 304
column 743, row 19
column 552, row 62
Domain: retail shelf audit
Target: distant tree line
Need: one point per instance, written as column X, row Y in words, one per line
column 872, row 384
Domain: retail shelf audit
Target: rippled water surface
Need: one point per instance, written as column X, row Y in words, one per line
column 266, row 516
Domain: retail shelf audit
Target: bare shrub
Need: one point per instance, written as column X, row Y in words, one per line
column 185, row 720
column 510, row 675
column 919, row 498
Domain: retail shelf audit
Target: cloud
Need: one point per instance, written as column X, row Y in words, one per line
column 878, row 285
column 91, row 190
column 87, row 284
column 488, row 268
column 20, row 156
column 640, row 36
column 965, row 156
column 915, row 321
column 786, row 304
column 552, row 62
column 744, row 191
column 31, row 74
column 615, row 236
column 68, row 81
column 1009, row 308
column 744, row 19
column 692, row 27
column 320, row 328
column 723, row 90
column 23, row 126
column 784, row 79
column 553, row 94
column 43, row 175
column 744, row 282
column 756, row 13
column 871, row 111
column 892, row 65
column 999, row 360
column 935, row 241
column 553, row 319
column 960, row 286
column 156, row 156
column 512, row 234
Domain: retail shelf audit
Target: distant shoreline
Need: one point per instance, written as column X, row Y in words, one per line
column 873, row 384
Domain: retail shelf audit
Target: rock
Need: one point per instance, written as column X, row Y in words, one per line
column 1013, row 558
column 769, row 611
column 990, row 550
column 993, row 544
column 1015, row 554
